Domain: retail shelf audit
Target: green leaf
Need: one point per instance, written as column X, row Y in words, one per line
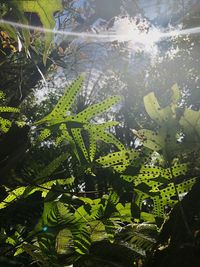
column 64, row 104
column 44, row 135
column 118, row 159
column 140, row 197
column 45, row 12
column 179, row 169
column 82, row 240
column 124, row 212
column 140, row 237
column 147, row 217
column 97, row 231
column 97, row 109
column 176, row 95
column 96, row 132
column 153, row 108
column 5, row 125
column 2, row 95
column 190, row 122
column 92, row 146
column 150, row 175
column 158, row 209
column 110, row 228
column 184, row 187
column 25, row 191
column 110, row 139
column 166, row 136
column 151, row 139
column 168, row 196
column 51, row 167
column 9, row 109
column 19, row 251
column 46, row 187
column 12, row 196
column 80, row 142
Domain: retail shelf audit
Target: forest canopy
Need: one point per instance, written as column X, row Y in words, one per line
column 99, row 134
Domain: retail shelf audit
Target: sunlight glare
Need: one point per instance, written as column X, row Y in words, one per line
column 140, row 35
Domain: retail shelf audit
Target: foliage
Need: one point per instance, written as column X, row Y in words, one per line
column 71, row 230
column 140, row 195
column 73, row 128
column 80, row 227
column 45, row 13
column 162, row 179
column 5, row 124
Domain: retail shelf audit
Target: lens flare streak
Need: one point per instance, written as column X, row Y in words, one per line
column 127, row 31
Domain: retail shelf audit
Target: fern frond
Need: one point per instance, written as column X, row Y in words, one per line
column 9, row 109
column 12, row 196
column 5, row 125
column 44, row 135
column 97, row 109
column 25, row 191
column 140, row 237
column 52, row 166
column 76, row 133
column 118, row 160
column 64, row 104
